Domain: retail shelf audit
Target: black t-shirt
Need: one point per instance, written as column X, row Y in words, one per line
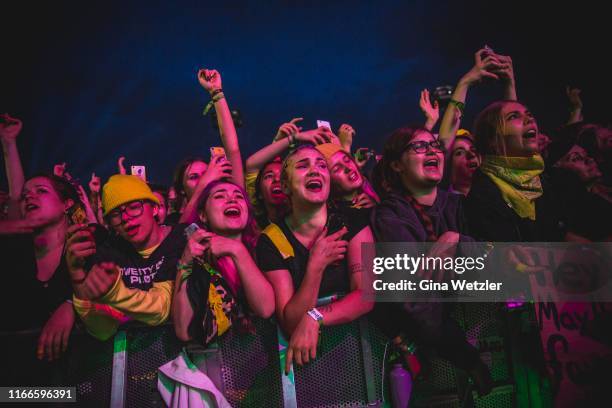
column 358, row 218
column 335, row 277
column 172, row 219
column 138, row 272
column 27, row 302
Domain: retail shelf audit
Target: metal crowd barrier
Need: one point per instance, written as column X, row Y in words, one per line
column 248, row 369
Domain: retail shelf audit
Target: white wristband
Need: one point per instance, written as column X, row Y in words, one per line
column 315, row 315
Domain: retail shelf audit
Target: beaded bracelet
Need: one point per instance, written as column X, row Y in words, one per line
column 216, row 97
column 459, row 105
column 215, row 92
column 292, row 143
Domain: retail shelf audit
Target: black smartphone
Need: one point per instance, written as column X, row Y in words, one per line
column 335, row 222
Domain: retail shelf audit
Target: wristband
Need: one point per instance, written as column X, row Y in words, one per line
column 215, row 98
column 292, row 143
column 316, row 316
column 186, row 268
column 215, row 92
column 69, row 301
column 458, row 105
column 218, row 96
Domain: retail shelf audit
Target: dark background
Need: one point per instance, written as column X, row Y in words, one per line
column 92, row 82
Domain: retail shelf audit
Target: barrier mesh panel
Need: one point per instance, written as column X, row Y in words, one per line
column 148, row 348
column 90, row 366
column 485, row 330
column 502, row 397
column 335, row 378
column 250, row 367
column 378, row 341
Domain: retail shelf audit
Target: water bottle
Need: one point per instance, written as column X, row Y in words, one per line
column 401, row 386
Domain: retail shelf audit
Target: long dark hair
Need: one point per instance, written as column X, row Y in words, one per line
column 488, row 129
column 179, row 175
column 366, row 187
column 64, row 188
column 386, row 179
column 250, row 232
column 259, row 207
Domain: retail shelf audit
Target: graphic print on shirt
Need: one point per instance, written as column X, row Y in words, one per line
column 135, row 277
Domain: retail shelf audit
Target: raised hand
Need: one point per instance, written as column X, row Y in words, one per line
column 287, row 129
column 313, row 136
column 330, row 135
column 9, row 128
column 485, row 66
column 507, row 70
column 59, row 169
column 430, row 110
column 79, row 245
column 362, row 156
column 345, row 134
column 218, row 168
column 210, row 79
column 94, row 184
column 120, row 167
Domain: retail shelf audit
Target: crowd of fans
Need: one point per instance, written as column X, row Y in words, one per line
column 285, row 228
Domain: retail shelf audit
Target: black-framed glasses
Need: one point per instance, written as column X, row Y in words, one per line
column 133, row 210
column 423, row 146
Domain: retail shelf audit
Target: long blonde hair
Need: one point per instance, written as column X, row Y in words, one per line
column 489, row 129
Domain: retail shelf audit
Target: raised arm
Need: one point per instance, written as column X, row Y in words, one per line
column 94, row 197
column 506, row 73
column 287, row 134
column 573, row 95
column 211, row 82
column 218, row 168
column 430, row 110
column 345, row 134
column 9, row 130
column 484, row 67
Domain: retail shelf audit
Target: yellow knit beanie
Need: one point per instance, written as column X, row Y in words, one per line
column 121, row 189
